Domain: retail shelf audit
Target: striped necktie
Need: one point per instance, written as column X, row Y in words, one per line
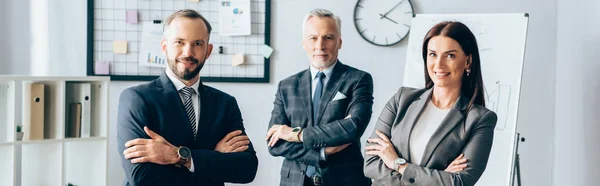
column 188, row 92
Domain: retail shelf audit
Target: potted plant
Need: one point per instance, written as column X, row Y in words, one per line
column 19, row 132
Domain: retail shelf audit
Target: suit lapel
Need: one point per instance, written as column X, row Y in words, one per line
column 337, row 76
column 411, row 117
column 453, row 118
column 173, row 100
column 305, row 82
column 204, row 122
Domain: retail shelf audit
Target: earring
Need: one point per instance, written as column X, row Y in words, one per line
column 468, row 72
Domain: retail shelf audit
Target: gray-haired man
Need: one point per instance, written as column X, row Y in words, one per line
column 320, row 113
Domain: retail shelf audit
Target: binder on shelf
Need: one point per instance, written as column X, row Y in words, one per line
column 82, row 93
column 34, row 129
column 73, row 129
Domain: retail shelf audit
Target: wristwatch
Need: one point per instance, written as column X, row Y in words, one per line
column 296, row 133
column 398, row 162
column 184, row 155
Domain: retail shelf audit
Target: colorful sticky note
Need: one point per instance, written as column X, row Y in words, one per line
column 131, row 17
column 237, row 59
column 120, row 47
column 101, row 67
column 266, row 51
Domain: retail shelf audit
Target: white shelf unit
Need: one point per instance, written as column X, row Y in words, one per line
column 57, row 159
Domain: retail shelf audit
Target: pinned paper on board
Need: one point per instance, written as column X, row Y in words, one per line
column 237, row 59
column 266, row 51
column 131, row 17
column 101, row 68
column 234, row 18
column 150, row 53
column 120, row 47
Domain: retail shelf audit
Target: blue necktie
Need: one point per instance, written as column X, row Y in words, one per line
column 311, row 170
column 317, row 96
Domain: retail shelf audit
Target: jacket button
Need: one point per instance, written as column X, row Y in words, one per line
column 411, row 180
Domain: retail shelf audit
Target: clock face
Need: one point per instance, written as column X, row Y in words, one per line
column 383, row 22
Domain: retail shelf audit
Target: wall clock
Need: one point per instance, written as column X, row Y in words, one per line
column 383, row 22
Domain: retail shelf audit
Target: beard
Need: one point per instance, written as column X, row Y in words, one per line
column 322, row 64
column 186, row 74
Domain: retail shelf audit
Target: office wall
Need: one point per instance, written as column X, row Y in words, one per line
column 386, row 64
column 4, row 18
column 43, row 38
column 576, row 150
column 14, row 37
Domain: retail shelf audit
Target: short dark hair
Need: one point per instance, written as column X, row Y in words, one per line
column 472, row 85
column 187, row 13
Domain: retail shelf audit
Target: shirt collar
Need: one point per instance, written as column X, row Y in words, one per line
column 327, row 71
column 178, row 83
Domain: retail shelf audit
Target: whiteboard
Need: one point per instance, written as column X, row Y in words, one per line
column 501, row 41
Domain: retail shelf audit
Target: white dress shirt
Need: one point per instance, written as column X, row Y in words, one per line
column 195, row 99
column 429, row 121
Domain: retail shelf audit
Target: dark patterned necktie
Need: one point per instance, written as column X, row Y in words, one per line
column 188, row 92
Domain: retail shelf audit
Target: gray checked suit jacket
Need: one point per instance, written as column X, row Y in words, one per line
column 293, row 107
column 472, row 136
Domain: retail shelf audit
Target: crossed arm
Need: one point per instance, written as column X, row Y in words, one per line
column 465, row 170
column 149, row 159
column 335, row 135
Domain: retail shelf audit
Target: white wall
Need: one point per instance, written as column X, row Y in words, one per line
column 4, row 18
column 386, row 64
column 14, row 35
column 40, row 37
column 576, row 150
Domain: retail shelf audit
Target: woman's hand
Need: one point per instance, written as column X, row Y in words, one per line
column 459, row 164
column 383, row 148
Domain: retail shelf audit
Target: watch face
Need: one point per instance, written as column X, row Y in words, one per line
column 400, row 161
column 184, row 152
column 296, row 129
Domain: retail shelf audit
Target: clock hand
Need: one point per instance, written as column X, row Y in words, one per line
column 382, row 16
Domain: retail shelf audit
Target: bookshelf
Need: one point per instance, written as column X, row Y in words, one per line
column 48, row 153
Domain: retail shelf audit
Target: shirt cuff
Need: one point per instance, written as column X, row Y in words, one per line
column 323, row 155
column 192, row 165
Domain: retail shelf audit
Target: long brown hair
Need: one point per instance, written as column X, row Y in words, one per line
column 472, row 85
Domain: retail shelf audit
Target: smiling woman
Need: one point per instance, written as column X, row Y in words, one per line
column 442, row 134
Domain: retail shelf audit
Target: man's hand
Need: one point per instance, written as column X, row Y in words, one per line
column 155, row 150
column 336, row 149
column 277, row 132
column 233, row 142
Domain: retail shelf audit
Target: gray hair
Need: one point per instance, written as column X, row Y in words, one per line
column 323, row 13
